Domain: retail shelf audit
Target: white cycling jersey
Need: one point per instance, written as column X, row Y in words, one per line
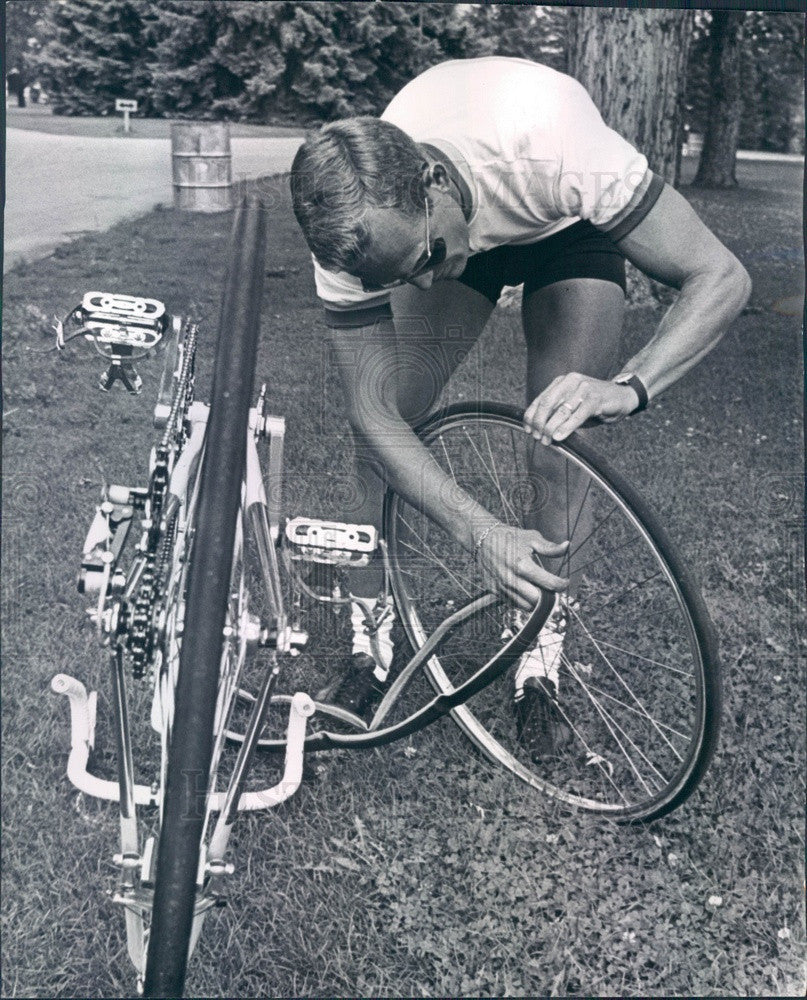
column 529, row 152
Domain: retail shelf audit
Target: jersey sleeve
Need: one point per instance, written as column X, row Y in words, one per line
column 602, row 177
column 345, row 301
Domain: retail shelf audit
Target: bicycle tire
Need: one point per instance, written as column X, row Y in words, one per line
column 698, row 692
column 209, row 577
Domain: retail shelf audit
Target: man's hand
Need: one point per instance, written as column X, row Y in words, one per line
column 571, row 400
column 508, row 559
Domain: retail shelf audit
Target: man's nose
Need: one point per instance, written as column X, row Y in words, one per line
column 423, row 281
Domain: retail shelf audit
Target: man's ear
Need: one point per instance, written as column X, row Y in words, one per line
column 436, row 175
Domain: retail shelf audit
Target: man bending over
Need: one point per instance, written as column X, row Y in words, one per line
column 483, row 173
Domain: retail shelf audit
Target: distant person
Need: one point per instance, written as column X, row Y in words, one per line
column 16, row 85
column 483, row 173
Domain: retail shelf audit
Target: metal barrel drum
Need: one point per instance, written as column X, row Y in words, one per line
column 202, row 166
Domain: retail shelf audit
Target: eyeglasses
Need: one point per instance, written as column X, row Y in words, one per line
column 431, row 257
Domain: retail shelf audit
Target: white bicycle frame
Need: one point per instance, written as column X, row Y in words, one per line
column 138, row 861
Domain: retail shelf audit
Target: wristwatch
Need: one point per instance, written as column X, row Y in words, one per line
column 633, row 380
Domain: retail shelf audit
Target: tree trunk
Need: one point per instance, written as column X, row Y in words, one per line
column 717, row 163
column 633, row 64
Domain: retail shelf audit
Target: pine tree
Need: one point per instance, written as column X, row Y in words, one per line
column 371, row 51
column 327, row 65
column 207, row 54
column 95, row 51
column 391, row 43
column 518, row 30
column 446, row 25
column 310, row 61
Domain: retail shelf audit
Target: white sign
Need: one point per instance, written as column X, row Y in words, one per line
column 125, row 105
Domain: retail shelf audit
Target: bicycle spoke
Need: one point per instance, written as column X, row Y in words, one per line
column 638, row 698
column 609, row 720
column 621, row 596
column 493, row 476
column 571, row 530
column 608, row 552
column 645, row 659
column 635, row 711
column 521, row 520
column 437, row 559
column 448, row 460
column 617, row 674
column 594, row 757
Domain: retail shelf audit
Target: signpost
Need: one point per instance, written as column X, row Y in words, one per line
column 125, row 105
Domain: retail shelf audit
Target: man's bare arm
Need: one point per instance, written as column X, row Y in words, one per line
column 372, row 409
column 672, row 245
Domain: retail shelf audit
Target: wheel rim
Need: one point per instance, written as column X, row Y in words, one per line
column 631, row 716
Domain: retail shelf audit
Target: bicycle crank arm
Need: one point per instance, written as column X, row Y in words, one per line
column 106, row 537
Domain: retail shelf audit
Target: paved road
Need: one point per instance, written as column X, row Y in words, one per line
column 60, row 186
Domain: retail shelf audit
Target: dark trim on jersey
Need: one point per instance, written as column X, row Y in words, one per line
column 342, row 319
column 646, row 196
column 466, row 198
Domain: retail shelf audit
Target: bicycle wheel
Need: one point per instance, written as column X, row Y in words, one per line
column 639, row 682
column 212, row 570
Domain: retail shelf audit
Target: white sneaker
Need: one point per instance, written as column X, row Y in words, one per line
column 544, row 659
column 372, row 623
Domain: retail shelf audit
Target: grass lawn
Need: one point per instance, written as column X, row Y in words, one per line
column 420, row 869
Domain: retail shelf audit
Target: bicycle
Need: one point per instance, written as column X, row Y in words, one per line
column 220, row 581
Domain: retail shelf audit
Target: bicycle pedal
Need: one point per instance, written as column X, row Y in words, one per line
column 330, row 542
column 124, row 320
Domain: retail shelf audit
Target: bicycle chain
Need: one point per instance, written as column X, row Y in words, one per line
column 144, row 629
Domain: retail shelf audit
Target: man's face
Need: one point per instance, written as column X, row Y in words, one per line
column 399, row 243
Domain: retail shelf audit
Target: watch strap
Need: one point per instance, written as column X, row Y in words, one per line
column 638, row 387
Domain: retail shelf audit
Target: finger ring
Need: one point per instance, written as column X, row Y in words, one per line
column 565, row 406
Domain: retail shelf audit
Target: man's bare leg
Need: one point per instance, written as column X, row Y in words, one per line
column 570, row 326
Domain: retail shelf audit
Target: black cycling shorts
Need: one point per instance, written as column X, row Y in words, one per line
column 579, row 251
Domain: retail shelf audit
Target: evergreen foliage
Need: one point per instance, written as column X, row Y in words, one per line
column 309, row 61
column 21, row 33
column 246, row 60
column 536, row 33
column 214, row 59
column 95, row 51
column 282, row 61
